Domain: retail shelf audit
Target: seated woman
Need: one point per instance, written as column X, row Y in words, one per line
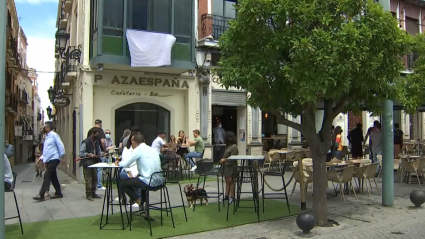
column 182, row 139
column 129, row 172
column 230, row 169
column 169, row 152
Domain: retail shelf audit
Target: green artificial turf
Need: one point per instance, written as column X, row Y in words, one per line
column 204, row 218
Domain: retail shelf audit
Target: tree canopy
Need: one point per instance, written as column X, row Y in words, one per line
column 293, row 54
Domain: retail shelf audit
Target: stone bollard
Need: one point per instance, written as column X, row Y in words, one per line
column 417, row 197
column 306, row 221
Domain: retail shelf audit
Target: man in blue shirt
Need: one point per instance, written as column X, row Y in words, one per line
column 53, row 151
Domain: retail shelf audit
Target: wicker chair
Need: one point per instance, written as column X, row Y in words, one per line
column 367, row 173
column 308, row 175
column 411, row 166
column 341, row 177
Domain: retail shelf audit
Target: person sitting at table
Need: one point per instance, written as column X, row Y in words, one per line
column 129, row 172
column 182, row 139
column 198, row 142
column 169, row 152
column 90, row 151
column 148, row 163
column 230, row 170
column 8, row 176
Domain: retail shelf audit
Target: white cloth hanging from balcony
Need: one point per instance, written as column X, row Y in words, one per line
column 149, row 49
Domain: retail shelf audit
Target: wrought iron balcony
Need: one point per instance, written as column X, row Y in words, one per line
column 411, row 58
column 23, row 96
column 12, row 104
column 214, row 25
column 12, row 47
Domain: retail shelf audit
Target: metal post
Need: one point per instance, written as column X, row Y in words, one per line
column 3, row 22
column 388, row 155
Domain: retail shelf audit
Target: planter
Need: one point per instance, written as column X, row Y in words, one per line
column 417, row 197
column 306, row 221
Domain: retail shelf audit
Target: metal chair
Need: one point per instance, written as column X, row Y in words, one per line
column 205, row 169
column 277, row 192
column 12, row 190
column 164, row 200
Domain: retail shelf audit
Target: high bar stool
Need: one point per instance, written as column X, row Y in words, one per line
column 12, row 190
column 276, row 194
column 164, row 200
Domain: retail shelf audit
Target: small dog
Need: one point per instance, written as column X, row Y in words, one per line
column 193, row 194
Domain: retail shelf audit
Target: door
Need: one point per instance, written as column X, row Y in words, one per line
column 150, row 117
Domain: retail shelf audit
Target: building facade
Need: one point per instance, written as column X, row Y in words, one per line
column 101, row 76
column 20, row 106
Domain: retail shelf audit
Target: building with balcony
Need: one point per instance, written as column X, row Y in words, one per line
column 19, row 102
column 134, row 62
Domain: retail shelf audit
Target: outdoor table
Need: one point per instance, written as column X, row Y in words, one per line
column 247, row 164
column 108, row 199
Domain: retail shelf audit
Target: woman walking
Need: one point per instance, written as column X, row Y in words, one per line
column 39, row 165
column 230, row 169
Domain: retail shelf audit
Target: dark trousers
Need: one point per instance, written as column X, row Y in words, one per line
column 131, row 184
column 51, row 176
column 7, row 186
column 90, row 176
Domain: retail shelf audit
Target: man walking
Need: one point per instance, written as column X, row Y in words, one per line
column 398, row 140
column 102, row 142
column 53, row 151
column 376, row 138
column 9, row 150
column 90, row 148
column 218, row 134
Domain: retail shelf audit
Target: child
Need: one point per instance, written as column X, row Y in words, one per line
column 39, row 165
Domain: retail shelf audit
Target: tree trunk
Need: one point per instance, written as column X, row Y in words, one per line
column 320, row 182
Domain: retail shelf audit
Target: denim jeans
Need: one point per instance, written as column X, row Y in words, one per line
column 123, row 177
column 337, row 154
column 189, row 157
column 375, row 160
column 99, row 174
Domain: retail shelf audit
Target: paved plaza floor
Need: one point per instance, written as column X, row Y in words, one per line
column 362, row 218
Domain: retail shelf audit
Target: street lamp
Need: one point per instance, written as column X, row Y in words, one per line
column 51, row 93
column 49, row 112
column 61, row 39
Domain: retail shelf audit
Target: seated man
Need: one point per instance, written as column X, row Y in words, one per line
column 90, row 150
column 148, row 162
column 198, row 142
column 8, row 176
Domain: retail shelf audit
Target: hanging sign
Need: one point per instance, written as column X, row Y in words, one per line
column 61, row 102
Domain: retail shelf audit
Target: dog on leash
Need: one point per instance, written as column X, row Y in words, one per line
column 193, row 194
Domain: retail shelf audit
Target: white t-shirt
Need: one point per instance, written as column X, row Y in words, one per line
column 125, row 156
column 376, row 138
column 157, row 144
column 148, row 162
column 8, row 176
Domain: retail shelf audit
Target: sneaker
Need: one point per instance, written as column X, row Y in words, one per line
column 90, row 198
column 193, row 168
column 96, row 196
column 101, row 188
column 231, row 200
column 224, row 199
column 117, row 199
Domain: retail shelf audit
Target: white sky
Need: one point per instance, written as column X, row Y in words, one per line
column 41, row 57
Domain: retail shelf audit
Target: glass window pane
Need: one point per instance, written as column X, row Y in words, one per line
column 160, row 16
column 183, row 17
column 229, row 10
column 113, row 16
column 217, row 7
column 137, row 14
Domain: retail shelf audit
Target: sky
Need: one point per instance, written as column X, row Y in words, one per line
column 38, row 20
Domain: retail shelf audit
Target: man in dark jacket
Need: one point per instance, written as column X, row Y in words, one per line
column 90, row 150
column 356, row 140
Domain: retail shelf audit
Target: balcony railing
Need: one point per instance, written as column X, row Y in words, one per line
column 214, row 25
column 12, row 46
column 9, row 81
column 39, row 117
column 12, row 103
column 411, row 58
column 23, row 96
